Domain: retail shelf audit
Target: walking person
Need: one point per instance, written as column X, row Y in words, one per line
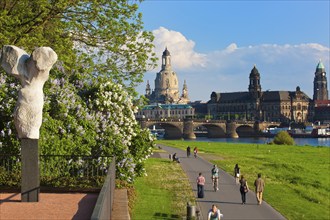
column 214, row 213
column 195, row 152
column 188, row 151
column 259, row 185
column 200, row 186
column 244, row 188
column 215, row 177
column 236, row 173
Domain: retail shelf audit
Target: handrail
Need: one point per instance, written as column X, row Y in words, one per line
column 104, row 203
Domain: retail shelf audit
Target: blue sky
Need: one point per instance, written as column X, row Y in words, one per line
column 215, row 44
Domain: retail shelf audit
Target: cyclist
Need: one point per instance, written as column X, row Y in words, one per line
column 215, row 177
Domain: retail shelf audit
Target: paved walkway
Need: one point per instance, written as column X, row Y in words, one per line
column 60, row 206
column 228, row 198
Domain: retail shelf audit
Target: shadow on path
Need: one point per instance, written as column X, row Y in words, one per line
column 8, row 199
column 85, row 207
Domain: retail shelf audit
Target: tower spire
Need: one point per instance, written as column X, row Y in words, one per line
column 148, row 90
column 320, row 83
column 254, row 86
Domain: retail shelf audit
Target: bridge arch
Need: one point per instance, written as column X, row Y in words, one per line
column 245, row 131
column 172, row 130
column 213, row 130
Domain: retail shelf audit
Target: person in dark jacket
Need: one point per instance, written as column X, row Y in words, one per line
column 237, row 173
column 244, row 188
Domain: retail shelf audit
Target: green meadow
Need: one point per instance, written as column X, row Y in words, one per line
column 297, row 177
column 163, row 193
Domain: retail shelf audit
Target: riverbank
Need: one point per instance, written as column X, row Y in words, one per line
column 297, row 178
column 316, row 142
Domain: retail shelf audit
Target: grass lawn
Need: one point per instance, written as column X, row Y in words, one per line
column 163, row 193
column 297, row 177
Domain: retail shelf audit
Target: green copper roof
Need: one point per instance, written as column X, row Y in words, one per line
column 320, row 65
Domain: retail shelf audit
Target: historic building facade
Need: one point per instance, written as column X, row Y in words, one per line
column 254, row 104
column 280, row 106
column 167, row 85
column 172, row 111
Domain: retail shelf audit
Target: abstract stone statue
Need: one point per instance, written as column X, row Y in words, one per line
column 33, row 72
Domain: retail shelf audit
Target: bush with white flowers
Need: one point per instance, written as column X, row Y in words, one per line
column 84, row 118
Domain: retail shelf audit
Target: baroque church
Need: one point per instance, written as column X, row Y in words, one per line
column 167, row 85
column 283, row 106
column 165, row 100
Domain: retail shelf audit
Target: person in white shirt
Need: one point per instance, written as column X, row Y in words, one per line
column 214, row 213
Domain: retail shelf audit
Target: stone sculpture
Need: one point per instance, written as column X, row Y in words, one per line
column 32, row 71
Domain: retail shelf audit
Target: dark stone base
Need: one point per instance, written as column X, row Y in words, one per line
column 30, row 188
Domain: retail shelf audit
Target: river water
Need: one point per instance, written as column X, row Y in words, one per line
column 263, row 140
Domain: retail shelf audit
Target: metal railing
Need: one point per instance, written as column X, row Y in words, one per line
column 57, row 166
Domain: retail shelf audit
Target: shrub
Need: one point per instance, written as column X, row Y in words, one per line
column 282, row 138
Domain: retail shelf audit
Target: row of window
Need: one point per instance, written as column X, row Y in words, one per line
column 166, row 112
column 225, row 108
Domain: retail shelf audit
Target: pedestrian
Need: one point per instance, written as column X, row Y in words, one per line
column 195, row 152
column 260, row 185
column 236, row 173
column 244, row 188
column 215, row 177
column 214, row 213
column 200, row 186
column 188, row 151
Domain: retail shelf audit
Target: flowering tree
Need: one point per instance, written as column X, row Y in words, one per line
column 98, row 122
column 103, row 52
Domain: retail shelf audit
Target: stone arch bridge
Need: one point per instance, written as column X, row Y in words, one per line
column 176, row 128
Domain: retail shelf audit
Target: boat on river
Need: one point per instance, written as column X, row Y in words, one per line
column 320, row 132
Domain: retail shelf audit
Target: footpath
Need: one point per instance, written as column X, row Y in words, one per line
column 228, row 198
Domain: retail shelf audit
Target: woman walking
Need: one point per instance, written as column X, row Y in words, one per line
column 244, row 188
column 236, row 173
column 200, row 186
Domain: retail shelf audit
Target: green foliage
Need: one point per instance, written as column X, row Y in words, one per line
column 90, row 37
column 296, row 177
column 10, row 178
column 283, row 138
column 103, row 52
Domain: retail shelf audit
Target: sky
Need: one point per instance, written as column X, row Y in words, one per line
column 215, row 44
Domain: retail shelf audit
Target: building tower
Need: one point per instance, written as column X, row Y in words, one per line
column 166, row 82
column 255, row 87
column 320, row 83
column 184, row 96
column 148, row 90
column 255, row 92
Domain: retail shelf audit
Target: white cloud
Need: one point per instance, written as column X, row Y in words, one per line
column 182, row 50
column 282, row 67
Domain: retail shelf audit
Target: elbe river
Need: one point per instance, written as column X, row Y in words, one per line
column 264, row 140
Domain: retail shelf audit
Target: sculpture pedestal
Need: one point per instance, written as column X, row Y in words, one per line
column 30, row 185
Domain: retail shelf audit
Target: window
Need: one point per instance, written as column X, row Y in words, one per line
column 299, row 106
